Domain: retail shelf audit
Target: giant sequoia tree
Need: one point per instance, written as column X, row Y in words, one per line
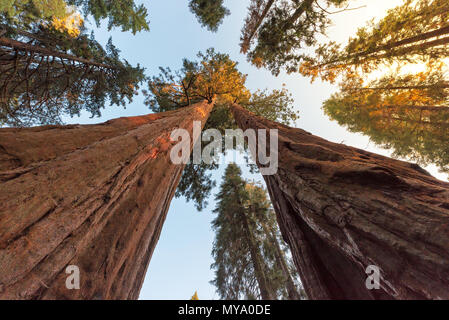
column 342, row 209
column 92, row 196
column 96, row 196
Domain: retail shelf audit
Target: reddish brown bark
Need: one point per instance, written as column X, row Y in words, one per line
column 342, row 209
column 94, row 196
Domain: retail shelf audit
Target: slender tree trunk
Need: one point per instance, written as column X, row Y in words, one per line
column 392, row 52
column 444, row 85
column 21, row 46
column 419, row 108
column 293, row 293
column 246, row 41
column 93, row 196
column 421, row 37
column 259, row 265
column 305, row 4
column 342, row 209
column 422, row 122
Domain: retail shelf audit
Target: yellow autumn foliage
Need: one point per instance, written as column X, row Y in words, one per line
column 71, row 24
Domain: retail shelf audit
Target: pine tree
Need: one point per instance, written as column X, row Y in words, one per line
column 246, row 261
column 281, row 273
column 281, row 29
column 414, row 32
column 119, row 13
column 54, row 69
column 210, row 13
column 407, row 113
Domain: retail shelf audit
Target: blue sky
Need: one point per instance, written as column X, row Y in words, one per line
column 181, row 262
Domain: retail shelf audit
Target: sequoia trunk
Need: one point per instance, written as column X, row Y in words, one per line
column 91, row 196
column 342, row 209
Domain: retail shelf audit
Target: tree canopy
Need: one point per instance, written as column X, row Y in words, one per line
column 210, row 13
column 415, row 32
column 406, row 113
column 247, row 247
column 276, row 32
column 51, row 67
column 213, row 76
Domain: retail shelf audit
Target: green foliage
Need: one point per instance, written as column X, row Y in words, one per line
column 407, row 34
column 119, row 13
column 287, row 28
column 408, row 114
column 210, row 13
column 26, row 12
column 214, row 75
column 235, row 276
column 275, row 105
column 54, row 68
column 74, row 74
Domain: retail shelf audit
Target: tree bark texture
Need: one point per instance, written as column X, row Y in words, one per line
column 259, row 265
column 342, row 209
column 93, row 196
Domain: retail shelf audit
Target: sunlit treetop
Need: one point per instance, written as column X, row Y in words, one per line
column 119, row 13
column 426, row 88
column 415, row 32
column 213, row 75
column 407, row 113
column 70, row 24
column 210, row 13
column 23, row 12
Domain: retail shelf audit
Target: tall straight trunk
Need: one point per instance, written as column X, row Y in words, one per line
column 342, row 209
column 22, row 46
column 409, row 107
column 421, row 37
column 443, row 85
column 246, row 41
column 92, row 196
column 403, row 51
column 395, row 49
column 293, row 293
column 259, row 265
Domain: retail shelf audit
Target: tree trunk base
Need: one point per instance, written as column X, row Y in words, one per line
column 342, row 210
column 90, row 196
